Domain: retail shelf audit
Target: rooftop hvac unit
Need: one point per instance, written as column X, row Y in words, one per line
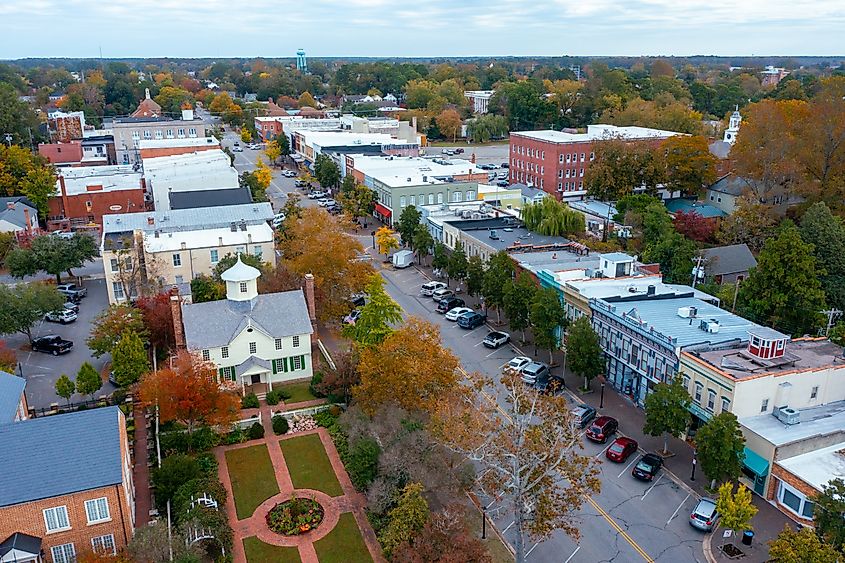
column 709, row 325
column 687, row 312
column 787, row 415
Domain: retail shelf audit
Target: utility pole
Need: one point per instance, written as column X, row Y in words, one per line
column 832, row 316
column 736, row 292
column 695, row 272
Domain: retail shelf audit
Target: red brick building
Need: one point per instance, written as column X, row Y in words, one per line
column 555, row 161
column 86, row 194
column 64, row 127
column 62, row 154
column 66, row 486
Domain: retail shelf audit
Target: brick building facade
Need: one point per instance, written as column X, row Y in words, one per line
column 84, row 195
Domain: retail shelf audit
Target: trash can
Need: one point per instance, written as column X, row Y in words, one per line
column 747, row 536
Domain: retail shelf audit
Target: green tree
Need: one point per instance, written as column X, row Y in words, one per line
column 457, row 267
column 23, row 305
column 620, row 167
column 826, row 233
column 378, row 316
column 173, row 99
column 690, row 166
column 65, row 388
column 735, row 507
column 129, row 359
column 441, row 258
column 719, row 447
column 175, row 471
column 475, row 275
column 423, row 242
column 51, row 254
column 16, row 117
column 551, row 217
column 524, row 104
column 111, row 323
column 802, row 546
column 409, row 219
column 206, row 288
column 583, row 351
column 666, row 410
column 88, row 380
column 406, row 519
column 499, row 275
column 357, row 201
column 784, row 289
column 675, row 255
column 829, row 514
column 548, row 318
column 326, row 171
column 517, row 302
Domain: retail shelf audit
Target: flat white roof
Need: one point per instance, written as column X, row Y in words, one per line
column 207, row 238
column 201, row 170
column 402, row 171
column 818, row 468
column 815, row 421
column 346, row 138
column 596, row 133
column 186, row 142
column 111, row 178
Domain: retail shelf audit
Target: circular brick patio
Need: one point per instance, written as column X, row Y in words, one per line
column 331, row 515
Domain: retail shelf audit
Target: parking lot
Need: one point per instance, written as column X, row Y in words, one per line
column 41, row 370
column 484, row 154
column 629, row 520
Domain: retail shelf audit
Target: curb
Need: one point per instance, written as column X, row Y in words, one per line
column 708, row 548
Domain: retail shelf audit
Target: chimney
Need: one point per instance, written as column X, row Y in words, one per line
column 28, row 227
column 65, row 205
column 10, row 205
column 312, row 307
column 176, row 314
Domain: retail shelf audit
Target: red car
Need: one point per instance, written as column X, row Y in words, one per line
column 602, row 428
column 621, row 449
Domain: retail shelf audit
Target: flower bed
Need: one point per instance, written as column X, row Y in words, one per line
column 295, row 517
column 302, row 424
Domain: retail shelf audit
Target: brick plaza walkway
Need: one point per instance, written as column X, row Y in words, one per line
column 255, row 525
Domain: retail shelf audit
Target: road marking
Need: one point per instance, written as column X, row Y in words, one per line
column 509, row 527
column 677, row 510
column 568, row 559
column 627, row 467
column 604, row 450
column 491, row 353
column 470, row 332
column 479, row 344
column 618, row 528
column 652, row 486
column 492, row 502
column 503, row 365
column 527, row 553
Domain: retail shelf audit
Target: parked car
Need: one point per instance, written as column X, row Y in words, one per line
column 455, row 313
column 289, row 174
column 442, row 293
column 64, row 316
column 449, row 303
column 704, row 515
column 278, row 219
column 300, row 183
column 582, row 415
column 534, row 371
column 52, row 344
column 602, row 428
column 317, row 194
column 72, row 288
column 327, row 203
column 505, row 165
column 549, row 384
column 502, row 175
column 516, row 365
column 352, row 317
column 459, row 151
column 237, row 148
column 647, row 467
column 471, row 320
column 429, row 288
column 496, row 339
column 502, row 183
column 448, row 152
column 358, row 299
column 621, row 449
column 71, row 306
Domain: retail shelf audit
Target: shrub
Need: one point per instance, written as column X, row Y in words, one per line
column 207, row 464
column 174, row 472
column 203, row 439
column 326, row 418
column 236, row 436
column 316, row 379
column 249, row 401
column 256, row 431
column 280, row 424
column 295, row 516
column 173, row 443
column 118, row 396
column 362, row 462
column 276, row 395
column 194, row 488
column 335, row 410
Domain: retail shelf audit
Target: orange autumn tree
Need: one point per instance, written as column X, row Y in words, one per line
column 410, row 369
column 188, row 392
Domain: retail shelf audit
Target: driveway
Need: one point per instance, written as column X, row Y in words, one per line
column 42, row 370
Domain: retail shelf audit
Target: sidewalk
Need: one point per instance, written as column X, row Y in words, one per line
column 141, row 468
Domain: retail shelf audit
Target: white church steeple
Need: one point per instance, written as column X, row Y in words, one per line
column 733, row 127
column 241, row 281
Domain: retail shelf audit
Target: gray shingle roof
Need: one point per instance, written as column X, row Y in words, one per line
column 60, row 454
column 732, row 185
column 251, row 362
column 11, row 387
column 730, row 259
column 16, row 215
column 216, row 323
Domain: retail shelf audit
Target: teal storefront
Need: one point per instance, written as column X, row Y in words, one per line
column 756, row 469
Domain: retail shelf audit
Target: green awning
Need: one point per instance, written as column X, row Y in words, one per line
column 755, row 463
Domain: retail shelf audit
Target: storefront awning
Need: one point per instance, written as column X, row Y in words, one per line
column 756, row 463
column 382, row 210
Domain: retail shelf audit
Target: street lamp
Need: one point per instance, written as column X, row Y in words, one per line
column 484, row 522
column 694, row 461
column 601, row 401
column 373, row 234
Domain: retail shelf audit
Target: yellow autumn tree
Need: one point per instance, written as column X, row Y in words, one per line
column 307, row 100
column 386, row 240
column 246, row 136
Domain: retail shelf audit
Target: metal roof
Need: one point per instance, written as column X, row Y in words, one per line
column 188, row 219
column 11, row 388
column 59, row 455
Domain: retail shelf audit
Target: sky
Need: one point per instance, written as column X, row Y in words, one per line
column 423, row 28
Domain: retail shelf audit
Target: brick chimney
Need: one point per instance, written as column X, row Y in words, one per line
column 176, row 313
column 28, row 228
column 312, row 307
column 65, row 205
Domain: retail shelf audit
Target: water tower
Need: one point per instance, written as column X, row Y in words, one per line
column 301, row 63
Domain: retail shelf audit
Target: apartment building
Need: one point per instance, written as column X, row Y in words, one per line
column 555, row 161
column 146, row 252
column 65, row 486
column 130, row 131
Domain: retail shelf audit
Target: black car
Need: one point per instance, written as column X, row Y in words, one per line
column 647, row 467
column 52, row 344
column 471, row 320
column 448, row 303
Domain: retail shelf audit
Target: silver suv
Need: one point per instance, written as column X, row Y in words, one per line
column 704, row 515
column 535, row 371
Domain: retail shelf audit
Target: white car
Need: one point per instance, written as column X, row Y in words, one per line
column 289, row 174
column 318, row 195
column 63, row 316
column 516, row 365
column 453, row 314
column 278, row 219
column 237, row 148
column 327, row 203
column 429, row 288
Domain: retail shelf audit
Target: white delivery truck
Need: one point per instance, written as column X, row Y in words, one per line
column 403, row 259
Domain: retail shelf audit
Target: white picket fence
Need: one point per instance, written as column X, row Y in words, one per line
column 247, row 422
column 308, row 411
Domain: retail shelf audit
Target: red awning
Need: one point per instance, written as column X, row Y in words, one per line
column 382, row 210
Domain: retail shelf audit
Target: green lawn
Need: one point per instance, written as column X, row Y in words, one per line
column 259, row 552
column 299, row 392
column 253, row 478
column 344, row 543
column 309, row 465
